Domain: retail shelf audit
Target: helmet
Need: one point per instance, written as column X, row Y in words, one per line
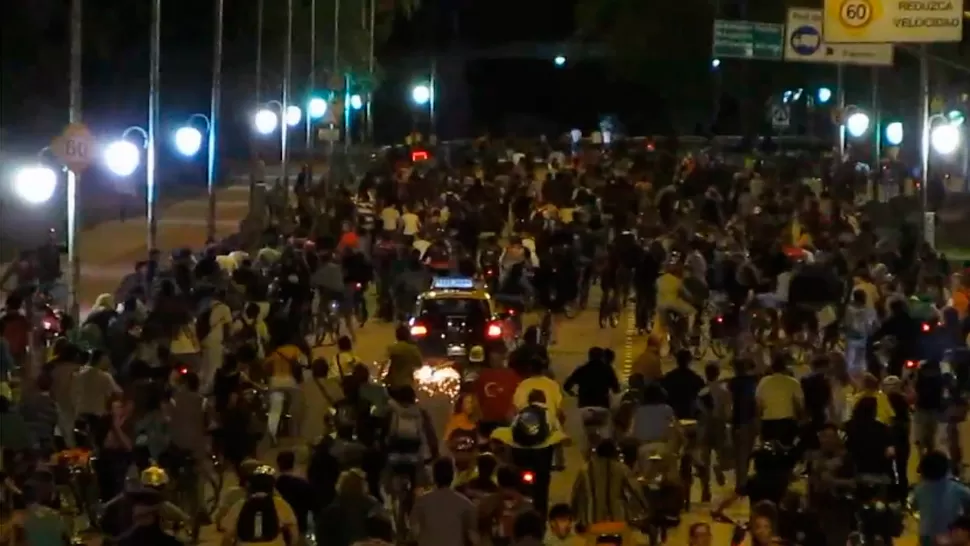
column 262, row 479
column 476, row 354
column 154, row 476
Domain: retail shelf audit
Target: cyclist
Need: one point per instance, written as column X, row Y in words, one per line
column 497, row 512
column 670, row 299
column 409, row 440
column 533, row 439
column 263, row 517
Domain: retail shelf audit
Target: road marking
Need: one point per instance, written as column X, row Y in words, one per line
column 629, row 338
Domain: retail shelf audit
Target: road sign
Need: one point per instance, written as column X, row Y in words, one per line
column 748, row 40
column 75, row 147
column 804, row 43
column 780, row 116
column 892, row 21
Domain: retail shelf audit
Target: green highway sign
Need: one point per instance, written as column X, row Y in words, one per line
column 748, row 40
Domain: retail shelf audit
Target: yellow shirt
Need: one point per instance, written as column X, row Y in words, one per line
column 872, row 293
column 547, row 386
column 779, row 397
column 884, row 409
column 283, row 511
column 280, row 363
column 668, row 288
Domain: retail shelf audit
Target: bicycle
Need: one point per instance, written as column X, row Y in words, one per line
column 401, row 494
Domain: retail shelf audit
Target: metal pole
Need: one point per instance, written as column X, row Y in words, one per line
column 313, row 71
column 336, row 37
column 924, row 98
column 153, row 84
column 370, row 70
column 877, row 119
column 259, row 53
column 287, row 73
column 431, row 100
column 214, row 118
column 73, row 179
column 347, row 109
column 840, row 104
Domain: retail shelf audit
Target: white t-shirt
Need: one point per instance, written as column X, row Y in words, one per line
column 218, row 319
column 779, row 396
column 410, row 223
column 390, row 217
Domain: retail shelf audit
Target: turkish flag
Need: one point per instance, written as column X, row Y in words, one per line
column 494, row 389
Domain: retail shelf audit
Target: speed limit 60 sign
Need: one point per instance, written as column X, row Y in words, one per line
column 75, row 147
column 892, row 21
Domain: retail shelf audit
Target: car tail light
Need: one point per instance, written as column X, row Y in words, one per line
column 494, row 331
column 528, row 477
column 419, row 330
column 926, row 327
column 910, row 364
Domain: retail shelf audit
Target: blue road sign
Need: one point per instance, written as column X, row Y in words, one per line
column 805, row 40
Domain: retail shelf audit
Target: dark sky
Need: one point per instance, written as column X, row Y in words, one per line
column 34, row 61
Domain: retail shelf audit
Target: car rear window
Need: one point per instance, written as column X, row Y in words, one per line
column 436, row 311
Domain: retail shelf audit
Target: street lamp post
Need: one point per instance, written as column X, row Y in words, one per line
column 153, row 91
column 211, row 122
column 313, row 73
column 73, row 179
column 285, row 106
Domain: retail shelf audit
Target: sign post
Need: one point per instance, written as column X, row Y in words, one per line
column 892, row 21
column 748, row 40
column 75, row 147
column 803, row 43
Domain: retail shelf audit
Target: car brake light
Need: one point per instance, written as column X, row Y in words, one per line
column 910, row 364
column 494, row 331
column 419, row 330
column 926, row 327
column 528, row 477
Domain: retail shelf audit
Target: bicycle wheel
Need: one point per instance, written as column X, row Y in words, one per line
column 699, row 350
column 212, row 488
column 719, row 347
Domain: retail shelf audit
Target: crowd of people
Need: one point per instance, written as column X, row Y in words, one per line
column 200, row 363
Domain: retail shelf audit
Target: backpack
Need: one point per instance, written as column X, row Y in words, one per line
column 406, row 430
column 258, row 520
column 531, row 426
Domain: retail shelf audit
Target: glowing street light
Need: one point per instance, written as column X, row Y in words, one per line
column 266, row 121
column 293, row 115
column 356, row 102
column 956, row 117
column 894, row 133
column 188, row 141
column 316, row 108
column 560, row 60
column 421, row 94
column 122, row 157
column 857, row 124
column 715, row 63
column 35, row 184
column 945, row 138
column 824, row 95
